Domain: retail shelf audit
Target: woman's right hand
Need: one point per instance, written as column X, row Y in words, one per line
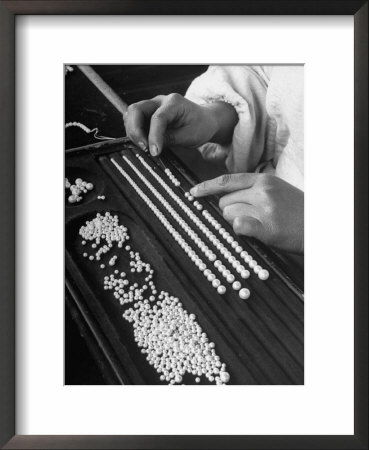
column 172, row 120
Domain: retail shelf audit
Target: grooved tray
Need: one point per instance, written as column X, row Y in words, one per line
column 260, row 339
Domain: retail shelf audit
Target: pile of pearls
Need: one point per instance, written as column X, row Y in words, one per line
column 103, row 228
column 172, row 178
column 173, row 232
column 173, row 341
column 80, row 187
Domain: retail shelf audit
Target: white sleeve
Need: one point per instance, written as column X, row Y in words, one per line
column 245, row 88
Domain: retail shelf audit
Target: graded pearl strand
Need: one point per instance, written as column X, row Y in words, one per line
column 263, row 274
column 176, row 235
column 190, row 232
column 236, row 264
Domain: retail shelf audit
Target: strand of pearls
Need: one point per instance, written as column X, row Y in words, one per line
column 190, row 232
column 174, row 342
column 236, row 264
column 172, row 178
column 175, row 234
column 263, row 274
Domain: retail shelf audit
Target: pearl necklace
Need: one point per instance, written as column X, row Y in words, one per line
column 172, row 231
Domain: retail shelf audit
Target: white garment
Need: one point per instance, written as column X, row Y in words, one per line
column 269, row 135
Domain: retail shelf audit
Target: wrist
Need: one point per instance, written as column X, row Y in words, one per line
column 224, row 118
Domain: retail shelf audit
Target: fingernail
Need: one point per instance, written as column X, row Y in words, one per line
column 154, row 149
column 193, row 191
column 142, row 146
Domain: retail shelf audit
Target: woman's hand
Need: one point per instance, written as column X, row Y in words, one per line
column 262, row 206
column 173, row 120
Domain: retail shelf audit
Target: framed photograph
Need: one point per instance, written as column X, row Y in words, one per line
column 184, row 224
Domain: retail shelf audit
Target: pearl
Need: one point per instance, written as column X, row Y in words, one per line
column 238, row 249
column 230, row 278
column 224, row 377
column 211, row 277
column 252, row 264
column 244, row 294
column 236, row 285
column 263, row 274
column 221, row 290
column 257, row 269
column 245, row 274
column 216, row 283
column 72, row 198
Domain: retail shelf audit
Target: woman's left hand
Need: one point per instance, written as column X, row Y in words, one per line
column 261, row 206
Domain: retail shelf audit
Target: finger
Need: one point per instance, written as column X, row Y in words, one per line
column 134, row 121
column 242, row 196
column 225, row 184
column 236, row 210
column 248, row 226
column 160, row 121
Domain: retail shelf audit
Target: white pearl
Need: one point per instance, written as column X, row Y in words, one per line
column 216, row 283
column 243, row 254
column 211, row 277
column 245, row 274
column 244, row 293
column 224, row 377
column 221, row 290
column 238, row 249
column 253, row 264
column 230, row 278
column 257, row 269
column 234, row 244
column 263, row 274
column 236, row 285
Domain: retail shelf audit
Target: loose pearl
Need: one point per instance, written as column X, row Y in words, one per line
column 221, row 290
column 236, row 285
column 244, row 293
column 224, row 377
column 263, row 274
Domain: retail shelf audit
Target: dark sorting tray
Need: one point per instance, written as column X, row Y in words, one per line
column 261, row 339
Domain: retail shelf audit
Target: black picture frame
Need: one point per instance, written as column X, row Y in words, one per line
column 8, row 12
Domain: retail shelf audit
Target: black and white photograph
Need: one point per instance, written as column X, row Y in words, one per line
column 184, row 224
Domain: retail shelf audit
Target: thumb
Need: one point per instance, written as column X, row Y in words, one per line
column 160, row 122
column 248, row 226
